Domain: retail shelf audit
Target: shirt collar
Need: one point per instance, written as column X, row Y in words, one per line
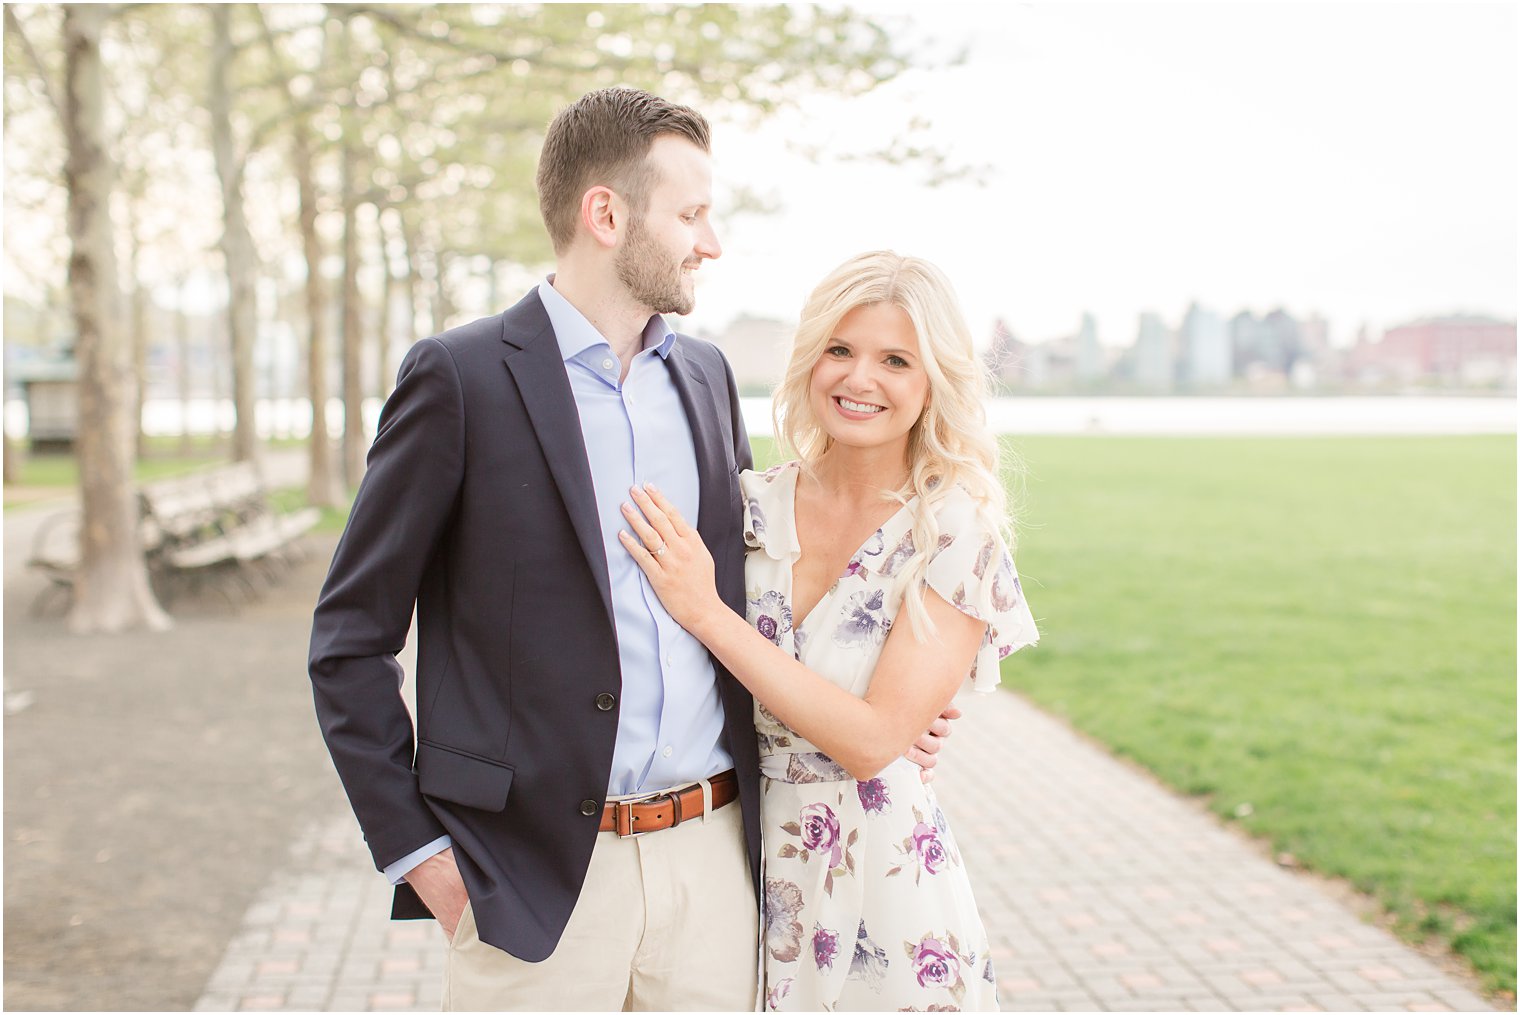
column 576, row 334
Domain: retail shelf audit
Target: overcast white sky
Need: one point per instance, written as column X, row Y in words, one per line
column 1354, row 159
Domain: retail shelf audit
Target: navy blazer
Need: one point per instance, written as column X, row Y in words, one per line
column 477, row 507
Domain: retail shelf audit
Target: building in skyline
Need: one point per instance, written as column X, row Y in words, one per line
column 1077, row 361
column 1457, row 350
column 1273, row 353
column 1208, row 359
column 757, row 348
column 1091, row 363
column 1155, row 354
column 1004, row 358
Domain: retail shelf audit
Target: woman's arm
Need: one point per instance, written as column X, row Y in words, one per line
column 911, row 685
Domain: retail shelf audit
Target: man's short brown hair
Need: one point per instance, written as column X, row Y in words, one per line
column 603, row 139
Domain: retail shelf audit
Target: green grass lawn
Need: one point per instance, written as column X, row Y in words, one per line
column 292, row 498
column 43, row 476
column 1316, row 635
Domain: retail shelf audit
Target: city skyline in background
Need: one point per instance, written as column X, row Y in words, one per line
column 1348, row 162
column 1144, row 175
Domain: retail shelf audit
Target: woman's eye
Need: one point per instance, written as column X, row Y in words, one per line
column 837, row 350
column 896, row 361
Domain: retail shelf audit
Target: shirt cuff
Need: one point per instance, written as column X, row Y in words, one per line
column 398, row 871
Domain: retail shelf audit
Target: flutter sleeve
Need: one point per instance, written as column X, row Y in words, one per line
column 768, row 522
column 973, row 571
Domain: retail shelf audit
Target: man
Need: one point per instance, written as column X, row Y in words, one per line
column 579, row 809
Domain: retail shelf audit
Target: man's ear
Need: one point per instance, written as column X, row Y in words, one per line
column 603, row 214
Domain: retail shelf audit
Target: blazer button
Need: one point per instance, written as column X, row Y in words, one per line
column 589, row 808
column 605, row 701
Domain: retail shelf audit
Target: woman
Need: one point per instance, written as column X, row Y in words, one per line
column 867, row 906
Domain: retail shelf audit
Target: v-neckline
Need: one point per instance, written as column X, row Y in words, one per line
column 791, row 567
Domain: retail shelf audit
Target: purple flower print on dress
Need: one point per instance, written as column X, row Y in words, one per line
column 874, row 797
column 825, row 947
column 863, row 622
column 869, row 963
column 929, row 848
column 900, row 555
column 936, row 964
column 771, row 615
column 756, row 532
column 783, row 932
column 799, row 641
column 1006, row 591
column 820, row 831
column 776, row 994
column 812, row 766
column 983, row 558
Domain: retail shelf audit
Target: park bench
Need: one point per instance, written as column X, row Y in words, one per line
column 214, row 526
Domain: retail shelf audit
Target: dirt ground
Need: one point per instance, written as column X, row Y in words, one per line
column 152, row 785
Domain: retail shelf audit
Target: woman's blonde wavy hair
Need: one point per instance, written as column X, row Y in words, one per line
column 951, row 444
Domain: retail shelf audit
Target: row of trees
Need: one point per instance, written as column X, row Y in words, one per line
column 332, row 141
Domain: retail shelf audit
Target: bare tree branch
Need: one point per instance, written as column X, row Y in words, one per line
column 49, row 86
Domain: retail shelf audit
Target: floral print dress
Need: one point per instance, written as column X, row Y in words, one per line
column 867, row 906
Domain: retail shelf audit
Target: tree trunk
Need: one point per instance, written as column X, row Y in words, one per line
column 321, row 483
column 413, row 279
column 386, row 367
column 12, row 457
column 139, row 339
column 443, row 306
column 237, row 242
column 111, row 591
column 12, row 463
column 182, row 342
column 353, row 340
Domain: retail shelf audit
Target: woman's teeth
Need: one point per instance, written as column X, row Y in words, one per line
column 859, row 406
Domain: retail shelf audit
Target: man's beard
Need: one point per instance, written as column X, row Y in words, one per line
column 641, row 267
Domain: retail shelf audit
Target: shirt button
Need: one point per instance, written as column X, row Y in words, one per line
column 606, row 364
column 605, row 702
column 667, row 752
column 670, row 660
column 589, row 808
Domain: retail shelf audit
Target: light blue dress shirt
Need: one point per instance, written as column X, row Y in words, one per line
column 670, row 718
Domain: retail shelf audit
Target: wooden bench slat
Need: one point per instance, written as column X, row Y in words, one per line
column 189, row 523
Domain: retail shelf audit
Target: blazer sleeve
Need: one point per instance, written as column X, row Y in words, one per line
column 403, row 506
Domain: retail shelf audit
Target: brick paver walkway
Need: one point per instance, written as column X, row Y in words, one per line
column 1102, row 891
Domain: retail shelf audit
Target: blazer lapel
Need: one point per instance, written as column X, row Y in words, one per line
column 535, row 363
column 712, row 474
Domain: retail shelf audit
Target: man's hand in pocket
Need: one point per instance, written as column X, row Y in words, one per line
column 437, row 882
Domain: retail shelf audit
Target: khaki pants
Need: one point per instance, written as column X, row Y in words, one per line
column 666, row 921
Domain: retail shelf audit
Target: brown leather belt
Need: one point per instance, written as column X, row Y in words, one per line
column 669, row 810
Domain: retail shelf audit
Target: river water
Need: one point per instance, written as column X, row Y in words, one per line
column 1230, row 416
column 1388, row 415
